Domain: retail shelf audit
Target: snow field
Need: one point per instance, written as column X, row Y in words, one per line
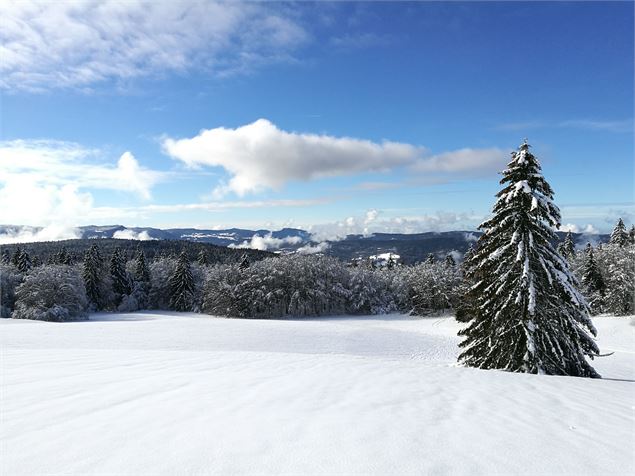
column 161, row 393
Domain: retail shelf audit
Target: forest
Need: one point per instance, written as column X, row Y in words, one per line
column 46, row 281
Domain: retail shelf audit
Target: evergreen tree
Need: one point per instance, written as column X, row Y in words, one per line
column 244, row 262
column 528, row 315
column 5, row 257
column 619, row 236
column 182, row 285
column 202, row 259
column 141, row 271
column 23, row 262
column 568, row 247
column 15, row 258
column 430, row 259
column 63, row 257
column 631, row 235
column 450, row 261
column 93, row 277
column 592, row 280
column 120, row 280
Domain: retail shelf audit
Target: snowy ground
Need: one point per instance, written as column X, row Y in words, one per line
column 152, row 393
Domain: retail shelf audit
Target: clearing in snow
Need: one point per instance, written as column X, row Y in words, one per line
column 161, row 393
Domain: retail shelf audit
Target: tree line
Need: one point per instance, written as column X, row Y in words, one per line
column 277, row 286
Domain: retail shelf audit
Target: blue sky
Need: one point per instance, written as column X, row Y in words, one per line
column 339, row 117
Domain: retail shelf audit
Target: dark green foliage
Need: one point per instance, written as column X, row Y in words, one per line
column 182, row 286
column 141, row 271
column 63, row 257
column 22, row 260
column 15, row 257
column 244, row 262
column 120, row 281
column 47, row 251
column 591, row 275
column 567, row 250
column 631, row 235
column 450, row 261
column 93, row 273
column 592, row 281
column 202, row 259
column 526, row 313
column 619, row 236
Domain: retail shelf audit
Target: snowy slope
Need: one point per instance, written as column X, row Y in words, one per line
column 151, row 393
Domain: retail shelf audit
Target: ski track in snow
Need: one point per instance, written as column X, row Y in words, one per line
column 168, row 393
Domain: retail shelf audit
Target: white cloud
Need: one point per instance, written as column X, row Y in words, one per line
column 260, row 156
column 268, row 242
column 61, row 163
column 361, row 225
column 44, row 183
column 470, row 237
column 132, row 235
column 52, row 232
column 464, row 161
column 80, row 44
column 313, row 249
column 572, row 227
column 590, row 230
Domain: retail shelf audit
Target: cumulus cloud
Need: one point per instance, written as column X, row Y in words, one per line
column 80, row 44
column 44, row 183
column 260, row 156
column 132, row 235
column 268, row 242
column 61, row 163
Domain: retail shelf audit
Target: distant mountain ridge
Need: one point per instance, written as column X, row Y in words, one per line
column 411, row 247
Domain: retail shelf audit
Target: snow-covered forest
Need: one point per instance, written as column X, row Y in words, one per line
column 290, row 285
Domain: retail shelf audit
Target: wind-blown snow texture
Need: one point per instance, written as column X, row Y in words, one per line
column 159, row 393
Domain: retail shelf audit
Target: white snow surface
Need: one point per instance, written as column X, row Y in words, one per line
column 160, row 393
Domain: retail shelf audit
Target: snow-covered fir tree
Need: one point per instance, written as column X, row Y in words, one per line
column 620, row 279
column 63, row 257
column 96, row 281
column 141, row 271
column 244, row 261
column 23, row 261
column 619, row 235
column 450, row 261
column 5, row 256
column 593, row 283
column 430, row 259
column 202, row 258
column 528, row 315
column 182, row 285
column 120, row 281
column 568, row 247
column 631, row 235
column 15, row 257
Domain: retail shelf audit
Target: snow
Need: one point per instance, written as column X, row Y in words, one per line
column 161, row 393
